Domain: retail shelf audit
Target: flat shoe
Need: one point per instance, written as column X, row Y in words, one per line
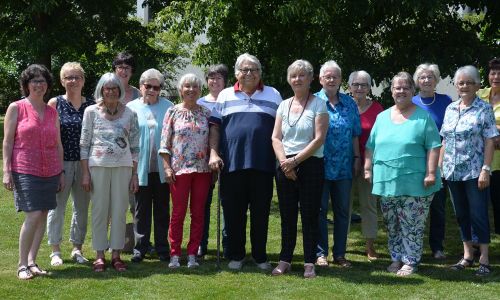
column 483, row 270
column 394, row 267
column 55, row 259
column 309, row 271
column 462, row 264
column 24, row 273
column 406, row 270
column 341, row 261
column 99, row 265
column 118, row 265
column 36, row 270
column 322, row 261
column 282, row 268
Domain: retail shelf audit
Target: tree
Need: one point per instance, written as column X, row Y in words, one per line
column 381, row 37
column 53, row 32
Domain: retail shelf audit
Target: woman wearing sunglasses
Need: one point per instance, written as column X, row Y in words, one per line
column 152, row 199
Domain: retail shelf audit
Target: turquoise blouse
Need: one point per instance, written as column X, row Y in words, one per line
column 400, row 154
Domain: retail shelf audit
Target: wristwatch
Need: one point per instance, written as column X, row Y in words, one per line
column 486, row 168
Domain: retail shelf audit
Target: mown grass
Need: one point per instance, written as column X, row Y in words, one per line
column 152, row 279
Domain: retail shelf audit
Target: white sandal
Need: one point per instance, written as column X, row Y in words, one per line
column 78, row 257
column 406, row 270
column 55, row 259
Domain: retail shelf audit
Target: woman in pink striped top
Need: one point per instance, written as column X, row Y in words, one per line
column 32, row 162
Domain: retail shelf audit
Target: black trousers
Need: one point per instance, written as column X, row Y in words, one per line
column 242, row 190
column 152, row 201
column 304, row 194
column 495, row 198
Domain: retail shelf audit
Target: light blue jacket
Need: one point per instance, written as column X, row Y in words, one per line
column 147, row 112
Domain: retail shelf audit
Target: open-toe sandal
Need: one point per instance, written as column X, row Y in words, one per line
column 406, row 270
column 462, row 264
column 99, row 265
column 118, row 265
column 36, row 270
column 24, row 273
column 483, row 270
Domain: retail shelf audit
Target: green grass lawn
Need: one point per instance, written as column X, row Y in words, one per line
column 152, row 279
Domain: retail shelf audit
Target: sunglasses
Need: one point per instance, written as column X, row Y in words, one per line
column 155, row 88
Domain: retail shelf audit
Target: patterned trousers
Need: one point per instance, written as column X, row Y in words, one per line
column 405, row 218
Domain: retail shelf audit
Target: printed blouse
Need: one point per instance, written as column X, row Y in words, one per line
column 109, row 143
column 71, row 126
column 343, row 126
column 185, row 138
column 464, row 132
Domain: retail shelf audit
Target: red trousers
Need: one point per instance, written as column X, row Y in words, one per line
column 197, row 185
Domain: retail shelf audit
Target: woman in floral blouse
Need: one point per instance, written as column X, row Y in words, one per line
column 468, row 131
column 184, row 149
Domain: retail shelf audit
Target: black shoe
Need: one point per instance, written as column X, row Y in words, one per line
column 201, row 252
column 137, row 258
column 164, row 257
column 355, row 218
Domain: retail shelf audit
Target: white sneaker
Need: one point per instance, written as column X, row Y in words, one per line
column 192, row 263
column 174, row 262
column 235, row 265
column 439, row 255
column 77, row 256
column 265, row 266
column 55, row 259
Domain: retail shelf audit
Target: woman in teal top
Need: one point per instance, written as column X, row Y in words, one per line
column 401, row 160
column 152, row 199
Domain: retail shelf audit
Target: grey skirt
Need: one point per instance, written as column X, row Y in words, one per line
column 32, row 193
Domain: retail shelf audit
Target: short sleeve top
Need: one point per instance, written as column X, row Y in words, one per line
column 464, row 132
column 298, row 129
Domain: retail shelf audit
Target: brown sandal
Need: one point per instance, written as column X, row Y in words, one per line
column 99, row 265
column 118, row 264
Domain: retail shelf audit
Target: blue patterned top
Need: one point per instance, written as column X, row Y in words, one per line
column 344, row 124
column 464, row 132
column 71, row 126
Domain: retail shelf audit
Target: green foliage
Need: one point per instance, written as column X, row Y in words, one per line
column 381, row 37
column 53, row 32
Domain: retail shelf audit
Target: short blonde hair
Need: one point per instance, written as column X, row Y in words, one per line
column 72, row 65
column 188, row 78
column 300, row 65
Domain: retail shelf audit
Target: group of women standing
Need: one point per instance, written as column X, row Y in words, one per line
column 116, row 147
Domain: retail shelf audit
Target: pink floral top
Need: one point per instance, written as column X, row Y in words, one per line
column 185, row 138
column 35, row 150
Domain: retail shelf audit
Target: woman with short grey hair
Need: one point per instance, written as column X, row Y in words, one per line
column 184, row 149
column 426, row 78
column 360, row 86
column 109, row 148
column 468, row 131
column 152, row 198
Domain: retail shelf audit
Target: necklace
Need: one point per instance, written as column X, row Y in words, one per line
column 290, row 107
column 109, row 111
column 429, row 104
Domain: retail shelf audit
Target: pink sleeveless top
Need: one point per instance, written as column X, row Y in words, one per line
column 35, row 142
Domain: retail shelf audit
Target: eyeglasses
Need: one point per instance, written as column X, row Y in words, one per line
column 123, row 68
column 466, row 83
column 110, row 89
column 330, row 78
column 155, row 88
column 429, row 77
column 246, row 71
column 360, row 85
column 73, row 78
column 38, row 81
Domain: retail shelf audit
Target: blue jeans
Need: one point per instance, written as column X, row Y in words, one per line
column 471, row 209
column 340, row 193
